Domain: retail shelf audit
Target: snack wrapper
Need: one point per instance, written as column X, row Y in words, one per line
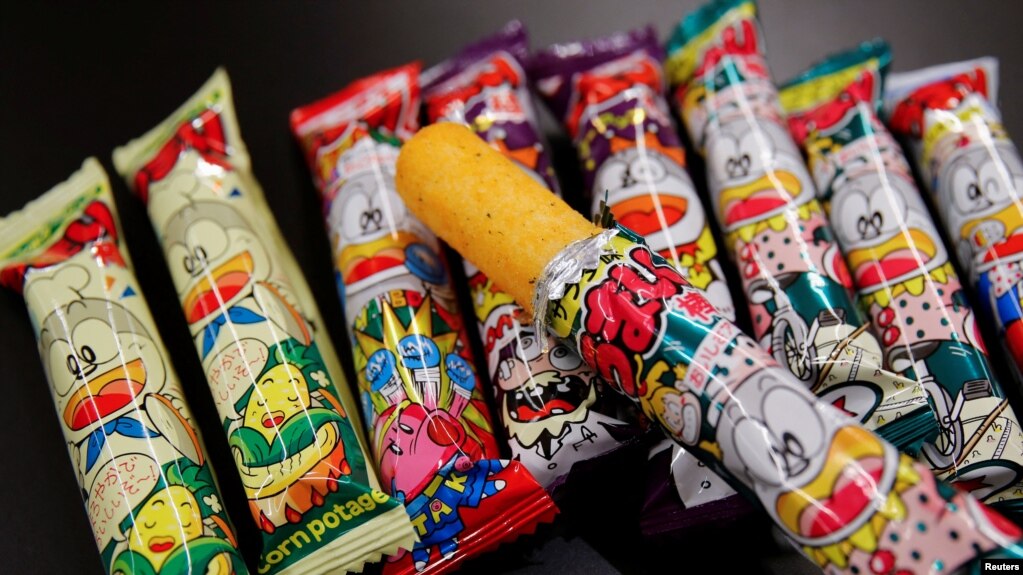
column 150, row 494
column 793, row 273
column 430, row 428
column 902, row 273
column 547, row 399
column 610, row 95
column 842, row 494
column 275, row 378
column 949, row 115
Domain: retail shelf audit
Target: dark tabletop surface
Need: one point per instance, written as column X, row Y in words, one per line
column 78, row 79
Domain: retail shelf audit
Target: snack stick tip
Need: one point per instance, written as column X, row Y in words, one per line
column 486, row 207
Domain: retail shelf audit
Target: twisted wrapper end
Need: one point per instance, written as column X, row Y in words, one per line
column 566, row 268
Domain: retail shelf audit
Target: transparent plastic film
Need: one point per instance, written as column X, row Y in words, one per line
column 949, row 115
column 902, row 273
column 848, row 499
column 794, row 276
column 275, row 378
column 547, row 399
column 430, row 428
column 151, row 496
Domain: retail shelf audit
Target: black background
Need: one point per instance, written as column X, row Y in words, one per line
column 78, row 79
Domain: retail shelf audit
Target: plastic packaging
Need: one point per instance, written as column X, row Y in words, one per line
column 793, row 273
column 902, row 273
column 610, row 95
column 430, row 427
column 950, row 116
column 547, row 399
column 275, row 379
column 151, row 496
column 843, row 495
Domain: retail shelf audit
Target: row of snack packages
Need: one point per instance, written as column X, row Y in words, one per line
column 858, row 301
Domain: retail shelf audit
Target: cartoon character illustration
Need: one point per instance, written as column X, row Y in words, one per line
column 754, row 169
column 431, row 434
column 546, row 398
column 379, row 239
column 798, row 459
column 287, row 439
column 222, row 272
column 176, row 528
column 434, row 512
column 108, row 379
column 979, row 186
column 651, row 194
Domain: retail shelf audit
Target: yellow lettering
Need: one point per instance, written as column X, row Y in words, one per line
column 367, row 502
column 379, row 496
column 283, row 548
column 436, row 511
column 456, row 482
column 294, row 539
column 330, row 519
column 398, row 298
column 419, row 523
column 354, row 509
column 317, row 529
column 432, row 487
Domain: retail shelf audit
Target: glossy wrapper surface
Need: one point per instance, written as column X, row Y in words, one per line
column 431, row 430
column 610, row 95
column 151, row 496
column 275, row 378
column 902, row 273
column 794, row 276
column 949, row 115
column 843, row 495
column 547, row 398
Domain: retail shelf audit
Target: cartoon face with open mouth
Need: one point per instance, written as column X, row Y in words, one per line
column 822, row 479
column 542, row 393
column 884, row 230
column 214, row 257
column 651, row 195
column 377, row 238
column 101, row 360
column 979, row 189
column 754, row 171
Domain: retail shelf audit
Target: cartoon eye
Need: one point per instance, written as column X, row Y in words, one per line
column 529, row 347
column 647, row 168
column 756, row 151
column 393, row 447
column 391, row 205
column 724, row 159
column 405, row 427
column 207, row 242
column 613, row 175
column 96, row 342
column 968, row 196
column 352, row 203
column 995, row 181
column 149, row 525
column 851, row 208
column 889, row 205
column 292, row 399
column 564, row 359
column 784, row 441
